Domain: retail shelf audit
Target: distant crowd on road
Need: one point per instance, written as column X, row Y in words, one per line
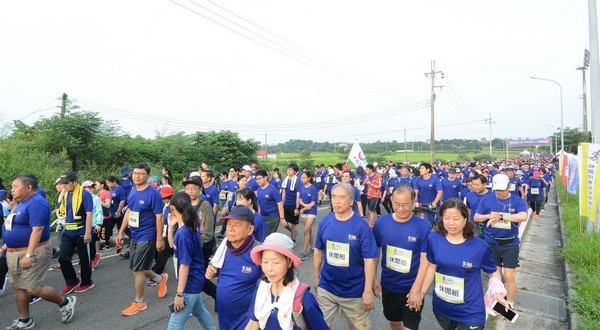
column 443, row 224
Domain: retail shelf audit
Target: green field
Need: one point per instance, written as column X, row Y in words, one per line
column 328, row 158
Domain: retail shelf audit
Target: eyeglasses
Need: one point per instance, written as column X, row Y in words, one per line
column 402, row 206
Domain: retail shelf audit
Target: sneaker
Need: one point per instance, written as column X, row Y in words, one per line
column 34, row 299
column 3, row 287
column 134, row 308
column 84, row 288
column 310, row 252
column 68, row 310
column 69, row 288
column 17, row 324
column 535, row 216
column 162, row 286
column 119, row 248
column 302, row 256
column 151, row 283
column 124, row 255
column 295, row 244
column 96, row 260
column 57, row 268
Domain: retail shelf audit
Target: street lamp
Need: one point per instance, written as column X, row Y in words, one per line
column 562, row 130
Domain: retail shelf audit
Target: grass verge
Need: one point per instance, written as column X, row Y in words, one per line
column 583, row 252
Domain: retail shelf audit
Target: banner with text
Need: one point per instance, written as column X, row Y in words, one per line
column 529, row 143
column 589, row 187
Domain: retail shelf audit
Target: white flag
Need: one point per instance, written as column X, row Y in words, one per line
column 357, row 156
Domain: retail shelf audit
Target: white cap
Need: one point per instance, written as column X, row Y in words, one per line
column 193, row 174
column 375, row 164
column 500, row 182
column 247, row 168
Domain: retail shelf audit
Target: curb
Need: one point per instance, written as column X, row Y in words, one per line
column 572, row 317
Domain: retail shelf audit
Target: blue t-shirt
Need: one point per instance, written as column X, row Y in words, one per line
column 320, row 179
column 331, row 181
column 461, row 261
column 389, row 185
column 212, row 195
column 536, row 190
column 511, row 205
column 401, row 246
column 117, row 195
column 32, row 212
column 473, row 200
column 127, row 185
column 513, row 185
column 427, row 188
column 41, row 192
column 408, row 181
column 308, row 195
column 187, row 249
column 463, row 193
column 223, row 186
column 345, row 245
column 450, row 188
column 252, row 184
column 87, row 205
column 260, row 228
column 232, row 185
column 144, row 205
column 235, row 289
column 310, row 310
column 356, row 199
column 268, row 198
column 275, row 183
column 290, row 192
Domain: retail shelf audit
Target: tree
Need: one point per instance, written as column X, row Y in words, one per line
column 224, row 148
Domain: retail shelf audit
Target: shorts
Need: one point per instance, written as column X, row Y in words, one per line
column 32, row 277
column 395, row 310
column 505, row 256
column 304, row 216
column 372, row 203
column 288, row 214
column 448, row 324
column 142, row 255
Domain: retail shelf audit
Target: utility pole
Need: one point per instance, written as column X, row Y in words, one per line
column 266, row 147
column 405, row 146
column 490, row 122
column 586, row 65
column 431, row 74
column 63, row 105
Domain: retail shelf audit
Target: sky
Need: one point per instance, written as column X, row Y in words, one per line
column 337, row 71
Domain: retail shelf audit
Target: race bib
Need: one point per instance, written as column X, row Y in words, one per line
column 512, row 187
column 502, row 224
column 535, row 191
column 318, row 179
column 222, row 195
column 449, row 288
column 338, row 254
column 398, row 259
column 134, row 219
column 165, row 230
column 230, row 197
column 8, row 221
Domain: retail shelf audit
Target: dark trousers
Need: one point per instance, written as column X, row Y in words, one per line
column 387, row 204
column 67, row 249
column 161, row 258
column 107, row 228
column 3, row 268
column 536, row 205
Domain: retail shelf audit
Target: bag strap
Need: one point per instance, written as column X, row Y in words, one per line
column 299, row 297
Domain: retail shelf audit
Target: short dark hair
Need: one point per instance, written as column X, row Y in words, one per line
column 144, row 166
column 209, row 173
column 293, row 166
column 262, row 173
column 481, row 178
column 454, row 203
column 27, row 180
column 112, row 178
column 289, row 277
column 370, row 166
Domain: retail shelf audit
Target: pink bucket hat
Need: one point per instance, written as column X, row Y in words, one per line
column 279, row 243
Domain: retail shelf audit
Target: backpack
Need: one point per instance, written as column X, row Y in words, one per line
column 298, row 308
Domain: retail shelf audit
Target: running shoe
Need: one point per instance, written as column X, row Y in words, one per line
column 34, row 299
column 84, row 288
column 68, row 310
column 311, row 252
column 124, row 255
column 303, row 256
column 3, row 287
column 162, row 286
column 18, row 324
column 151, row 283
column 96, row 260
column 69, row 288
column 134, row 308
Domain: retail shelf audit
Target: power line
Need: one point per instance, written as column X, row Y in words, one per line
column 332, row 71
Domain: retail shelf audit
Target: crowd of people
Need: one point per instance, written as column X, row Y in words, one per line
column 443, row 224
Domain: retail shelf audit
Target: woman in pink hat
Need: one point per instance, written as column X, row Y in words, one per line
column 274, row 305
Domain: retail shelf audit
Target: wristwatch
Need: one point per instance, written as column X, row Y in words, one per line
column 28, row 255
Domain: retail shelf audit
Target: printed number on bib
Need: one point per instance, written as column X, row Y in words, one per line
column 502, row 224
column 450, row 288
column 8, row 222
column 222, row 195
column 512, row 187
column 398, row 259
column 134, row 219
column 318, row 179
column 338, row 254
column 391, row 189
column 535, row 191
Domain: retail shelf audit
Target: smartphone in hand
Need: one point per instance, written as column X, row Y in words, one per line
column 510, row 315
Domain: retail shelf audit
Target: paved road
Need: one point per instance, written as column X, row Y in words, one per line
column 100, row 307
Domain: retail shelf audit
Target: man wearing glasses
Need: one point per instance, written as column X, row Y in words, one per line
column 402, row 238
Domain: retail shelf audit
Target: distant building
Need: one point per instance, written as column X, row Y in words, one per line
column 262, row 154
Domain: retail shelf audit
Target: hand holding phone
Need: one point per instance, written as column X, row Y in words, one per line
column 510, row 315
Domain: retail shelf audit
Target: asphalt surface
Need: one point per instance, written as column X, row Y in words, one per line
column 101, row 306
